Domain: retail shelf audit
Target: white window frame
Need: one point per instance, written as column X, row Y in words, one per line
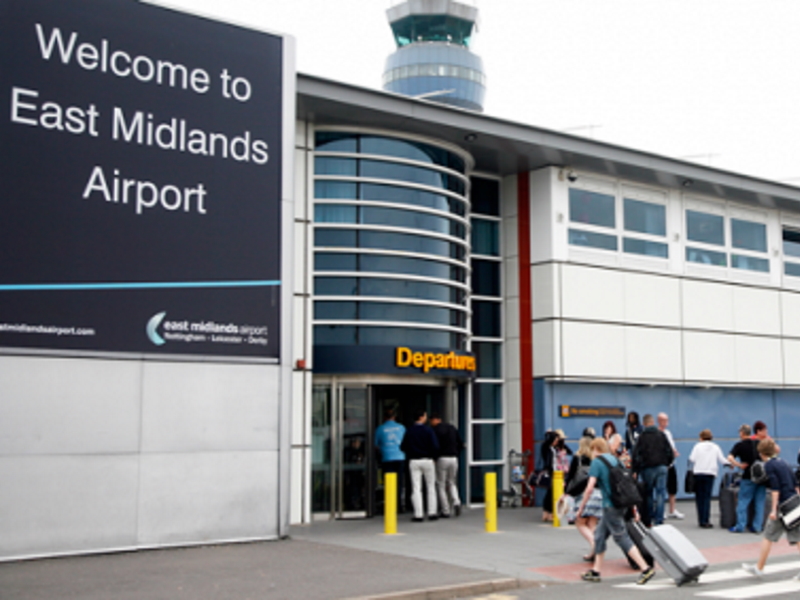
column 620, row 192
column 727, row 211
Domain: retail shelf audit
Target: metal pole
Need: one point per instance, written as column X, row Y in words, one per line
column 390, row 503
column 558, row 491
column 490, row 492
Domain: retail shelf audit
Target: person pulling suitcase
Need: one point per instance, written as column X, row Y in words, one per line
column 783, row 488
column 612, row 523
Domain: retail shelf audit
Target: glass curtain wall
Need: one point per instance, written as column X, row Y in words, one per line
column 486, row 413
column 391, row 242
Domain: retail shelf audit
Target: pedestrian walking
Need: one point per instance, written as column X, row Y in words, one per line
column 705, row 458
column 586, row 523
column 743, row 455
column 388, row 438
column 783, row 487
column 450, row 446
column 672, row 473
column 609, row 429
column 544, row 473
column 421, row 447
column 632, row 430
column 652, row 454
column 612, row 522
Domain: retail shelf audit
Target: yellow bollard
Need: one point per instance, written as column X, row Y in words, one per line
column 490, row 493
column 390, row 503
column 558, row 491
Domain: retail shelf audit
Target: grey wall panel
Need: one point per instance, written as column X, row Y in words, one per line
column 53, row 504
column 208, row 496
column 193, row 407
column 68, row 406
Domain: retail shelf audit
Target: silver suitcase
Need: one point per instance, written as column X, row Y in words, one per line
column 674, row 553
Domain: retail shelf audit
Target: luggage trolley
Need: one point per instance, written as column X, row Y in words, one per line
column 519, row 489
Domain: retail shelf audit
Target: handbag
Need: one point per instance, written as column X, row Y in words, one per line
column 688, row 481
column 577, row 485
column 789, row 511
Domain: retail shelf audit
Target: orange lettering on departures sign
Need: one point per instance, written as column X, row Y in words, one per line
column 428, row 361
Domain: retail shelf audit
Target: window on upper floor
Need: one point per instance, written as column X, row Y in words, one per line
column 726, row 238
column 645, row 225
column 594, row 224
column 791, row 252
column 749, row 246
column 708, row 230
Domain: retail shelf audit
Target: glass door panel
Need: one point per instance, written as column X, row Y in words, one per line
column 322, row 479
column 354, row 456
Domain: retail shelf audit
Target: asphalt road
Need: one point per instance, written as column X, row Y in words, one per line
column 727, row 581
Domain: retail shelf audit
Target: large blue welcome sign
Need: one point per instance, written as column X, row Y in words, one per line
column 140, row 180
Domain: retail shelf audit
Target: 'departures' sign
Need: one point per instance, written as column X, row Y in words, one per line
column 140, row 180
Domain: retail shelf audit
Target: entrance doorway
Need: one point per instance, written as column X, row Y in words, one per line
column 346, row 478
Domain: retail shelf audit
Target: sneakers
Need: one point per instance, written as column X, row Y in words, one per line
column 753, row 569
column 646, row 576
column 735, row 529
column 591, row 575
column 676, row 514
column 457, row 510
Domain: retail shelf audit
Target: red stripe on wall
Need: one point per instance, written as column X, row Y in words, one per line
column 525, row 315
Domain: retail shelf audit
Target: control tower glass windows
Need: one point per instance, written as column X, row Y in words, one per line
column 432, row 28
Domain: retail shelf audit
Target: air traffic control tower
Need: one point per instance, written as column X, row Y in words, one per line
column 433, row 59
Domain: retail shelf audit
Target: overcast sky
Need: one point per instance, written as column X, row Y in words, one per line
column 713, row 81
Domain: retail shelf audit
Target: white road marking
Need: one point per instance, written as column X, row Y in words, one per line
column 756, row 591
column 713, row 577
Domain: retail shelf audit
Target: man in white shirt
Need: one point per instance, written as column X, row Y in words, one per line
column 672, row 475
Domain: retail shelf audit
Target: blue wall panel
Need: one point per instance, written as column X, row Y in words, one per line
column 691, row 410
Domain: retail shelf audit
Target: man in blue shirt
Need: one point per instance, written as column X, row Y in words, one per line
column 783, row 486
column 612, row 523
column 388, row 438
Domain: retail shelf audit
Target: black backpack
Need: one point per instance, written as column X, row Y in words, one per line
column 624, row 491
column 758, row 472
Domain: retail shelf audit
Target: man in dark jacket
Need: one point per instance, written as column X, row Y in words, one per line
column 421, row 447
column 652, row 454
column 450, row 446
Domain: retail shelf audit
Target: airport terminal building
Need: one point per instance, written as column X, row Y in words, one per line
column 513, row 278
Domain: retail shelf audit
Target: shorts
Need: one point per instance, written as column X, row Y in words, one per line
column 775, row 528
column 672, row 481
column 612, row 523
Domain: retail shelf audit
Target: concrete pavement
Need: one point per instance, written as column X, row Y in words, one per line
column 352, row 559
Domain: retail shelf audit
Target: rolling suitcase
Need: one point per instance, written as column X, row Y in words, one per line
column 728, row 494
column 637, row 536
column 673, row 551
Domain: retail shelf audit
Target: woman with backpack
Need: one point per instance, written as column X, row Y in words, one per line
column 575, row 484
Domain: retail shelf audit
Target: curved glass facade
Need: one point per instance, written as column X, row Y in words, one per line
column 391, row 242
